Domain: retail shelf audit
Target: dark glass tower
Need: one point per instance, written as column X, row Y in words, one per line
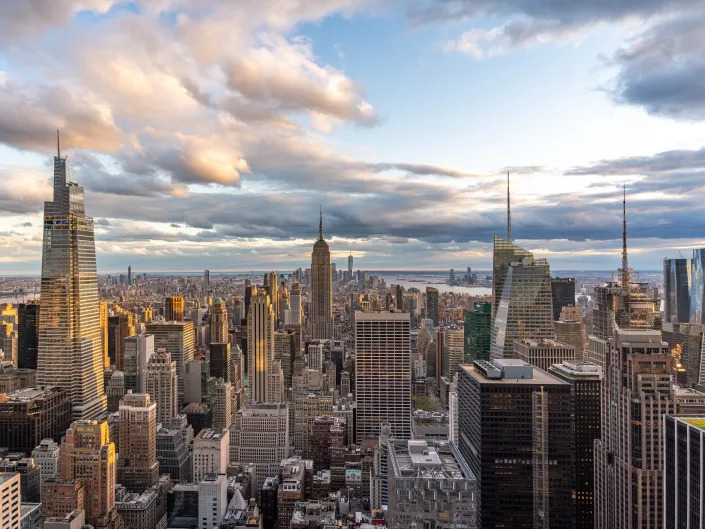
column 562, row 294
column 478, row 332
column 28, row 337
column 676, row 290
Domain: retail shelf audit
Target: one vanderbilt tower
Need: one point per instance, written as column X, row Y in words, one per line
column 69, row 349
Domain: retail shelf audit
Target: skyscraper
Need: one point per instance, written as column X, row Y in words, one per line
column 138, row 350
column 697, row 288
column 28, row 334
column 219, row 322
column 10, row 501
column 129, row 276
column 174, row 308
column 260, row 344
column 676, row 290
column 138, row 468
column 162, row 385
column 515, row 432
column 178, row 338
column 524, row 310
column 321, row 308
column 350, row 265
column 273, row 289
column 562, row 294
column 432, row 304
column 69, row 346
column 296, row 306
column 477, row 332
column 636, row 393
column 88, row 456
column 206, row 282
column 383, row 373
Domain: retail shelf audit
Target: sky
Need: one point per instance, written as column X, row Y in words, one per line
column 207, row 134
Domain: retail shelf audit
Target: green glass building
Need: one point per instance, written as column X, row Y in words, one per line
column 477, row 332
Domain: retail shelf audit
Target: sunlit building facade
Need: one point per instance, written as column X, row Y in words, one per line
column 70, row 347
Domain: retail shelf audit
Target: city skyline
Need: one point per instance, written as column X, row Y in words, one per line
column 224, row 152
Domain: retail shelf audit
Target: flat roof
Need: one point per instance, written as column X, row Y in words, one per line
column 540, row 378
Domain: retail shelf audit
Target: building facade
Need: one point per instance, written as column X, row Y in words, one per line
column 138, row 468
column 321, row 307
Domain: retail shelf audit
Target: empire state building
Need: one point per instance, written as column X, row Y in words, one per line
column 70, row 347
column 321, row 308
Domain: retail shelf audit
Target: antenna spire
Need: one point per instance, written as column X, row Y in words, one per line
column 320, row 224
column 625, row 271
column 58, row 145
column 509, row 213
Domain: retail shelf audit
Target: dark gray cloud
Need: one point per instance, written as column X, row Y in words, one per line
column 663, row 69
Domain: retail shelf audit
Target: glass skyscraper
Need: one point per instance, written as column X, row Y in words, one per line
column 697, row 287
column 70, row 347
column 676, row 286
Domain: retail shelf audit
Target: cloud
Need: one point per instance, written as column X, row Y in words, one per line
column 663, row 69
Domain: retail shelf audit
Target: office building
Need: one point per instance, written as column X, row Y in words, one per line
column 432, row 304
column 46, row 455
column 120, row 326
column 321, row 305
column 212, row 500
column 524, row 309
column 585, row 383
column 543, row 353
column 260, row 435
column 219, row 322
column 173, row 440
column 10, row 501
column 504, row 254
column 571, row 330
column 328, row 438
column 8, row 341
column 220, row 360
column 31, row 414
column 382, row 373
column 685, row 341
column 308, row 406
column 296, row 305
column 103, row 308
column 676, row 290
column 260, row 344
column 222, row 405
column 562, row 294
column 138, row 468
column 697, row 287
column 88, row 456
column 60, row 498
column 69, row 350
column 30, row 476
column 206, row 282
column 138, row 350
column 477, row 329
column 284, row 350
column 211, row 449
column 629, row 454
column 290, row 492
column 174, row 308
column 162, row 385
column 684, row 468
column 27, row 334
column 115, row 390
column 430, row 485
column 453, row 350
column 515, row 432
column 178, row 339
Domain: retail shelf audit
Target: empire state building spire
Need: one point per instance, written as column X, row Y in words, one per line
column 320, row 225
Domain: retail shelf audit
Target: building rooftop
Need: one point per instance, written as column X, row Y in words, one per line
column 698, row 422
column 538, row 376
column 29, row 394
column 585, row 370
column 427, row 460
column 211, row 434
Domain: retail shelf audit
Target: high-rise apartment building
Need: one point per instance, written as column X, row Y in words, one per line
column 260, row 435
column 138, row 468
column 219, row 322
column 515, row 432
column 27, row 334
column 684, row 469
column 321, row 307
column 162, row 385
column 260, row 344
column 585, row 383
column 676, row 290
column 178, row 338
column 562, row 294
column 69, row 350
column 138, row 350
column 174, row 308
column 477, row 330
column 636, row 393
column 524, row 310
column 383, row 373
column 432, row 304
column 88, row 456
column 10, row 501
